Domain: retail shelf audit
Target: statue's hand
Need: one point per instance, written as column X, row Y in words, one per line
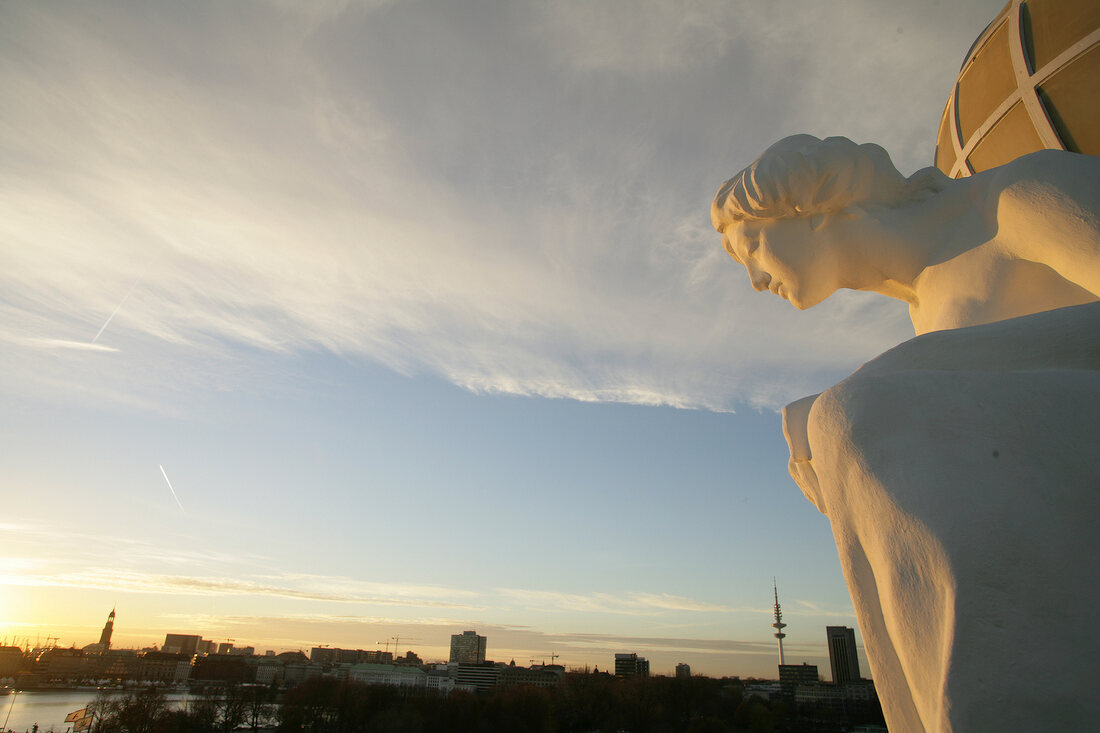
column 795, row 429
column 796, row 418
column 805, row 476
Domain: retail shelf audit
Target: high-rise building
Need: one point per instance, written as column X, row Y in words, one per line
column 467, row 648
column 108, row 629
column 842, row 654
column 478, row 677
column 186, row 644
column 631, row 665
column 683, row 671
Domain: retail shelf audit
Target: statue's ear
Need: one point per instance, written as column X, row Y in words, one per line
column 816, row 221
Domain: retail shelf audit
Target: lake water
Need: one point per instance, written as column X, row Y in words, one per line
column 48, row 708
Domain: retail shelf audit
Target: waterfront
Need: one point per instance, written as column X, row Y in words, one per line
column 48, row 708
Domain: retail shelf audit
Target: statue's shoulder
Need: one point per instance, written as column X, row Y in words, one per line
column 1071, row 175
column 1047, row 204
column 1046, row 163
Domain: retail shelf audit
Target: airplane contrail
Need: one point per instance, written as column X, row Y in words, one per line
column 162, row 473
column 115, row 311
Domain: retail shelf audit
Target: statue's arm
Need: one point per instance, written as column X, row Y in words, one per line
column 1050, row 212
column 1063, row 339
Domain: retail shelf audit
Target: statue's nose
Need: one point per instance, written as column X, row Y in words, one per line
column 760, row 279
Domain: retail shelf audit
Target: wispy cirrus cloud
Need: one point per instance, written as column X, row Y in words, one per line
column 628, row 603
column 542, row 231
column 142, row 582
column 276, row 621
column 642, row 604
column 48, row 343
column 80, row 546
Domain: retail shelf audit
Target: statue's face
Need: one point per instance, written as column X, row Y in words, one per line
column 796, row 259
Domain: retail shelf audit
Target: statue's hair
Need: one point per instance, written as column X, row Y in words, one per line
column 802, row 175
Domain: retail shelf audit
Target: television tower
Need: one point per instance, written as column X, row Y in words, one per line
column 778, row 625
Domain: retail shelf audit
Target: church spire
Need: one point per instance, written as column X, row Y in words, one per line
column 108, row 629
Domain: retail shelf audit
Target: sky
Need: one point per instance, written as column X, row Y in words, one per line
column 367, row 323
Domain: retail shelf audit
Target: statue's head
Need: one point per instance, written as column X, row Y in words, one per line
column 802, row 175
column 789, row 196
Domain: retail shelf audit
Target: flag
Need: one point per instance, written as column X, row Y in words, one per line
column 83, row 724
column 75, row 715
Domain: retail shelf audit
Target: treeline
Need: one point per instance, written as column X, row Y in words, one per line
column 208, row 710
column 580, row 703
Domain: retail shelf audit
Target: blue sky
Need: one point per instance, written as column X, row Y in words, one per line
column 419, row 307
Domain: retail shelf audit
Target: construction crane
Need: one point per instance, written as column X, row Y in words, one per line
column 396, row 641
column 553, row 659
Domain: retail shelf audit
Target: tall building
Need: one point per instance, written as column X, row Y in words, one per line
column 467, row 648
column 778, row 625
column 793, row 675
column 186, row 644
column 683, row 671
column 631, row 665
column 108, row 629
column 478, row 677
column 842, row 654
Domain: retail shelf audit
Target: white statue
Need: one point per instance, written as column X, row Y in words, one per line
column 960, row 470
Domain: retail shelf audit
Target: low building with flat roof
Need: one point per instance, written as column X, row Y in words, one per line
column 388, row 674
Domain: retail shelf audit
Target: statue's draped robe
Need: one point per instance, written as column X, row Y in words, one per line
column 961, row 474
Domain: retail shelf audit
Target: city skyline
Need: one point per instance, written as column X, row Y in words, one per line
column 360, row 320
column 532, row 656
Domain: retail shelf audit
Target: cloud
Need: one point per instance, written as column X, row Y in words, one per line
column 639, row 38
column 270, row 622
column 628, row 603
column 535, row 227
column 649, row 643
column 143, row 582
column 76, row 545
column 73, row 560
column 66, row 344
column 665, row 601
